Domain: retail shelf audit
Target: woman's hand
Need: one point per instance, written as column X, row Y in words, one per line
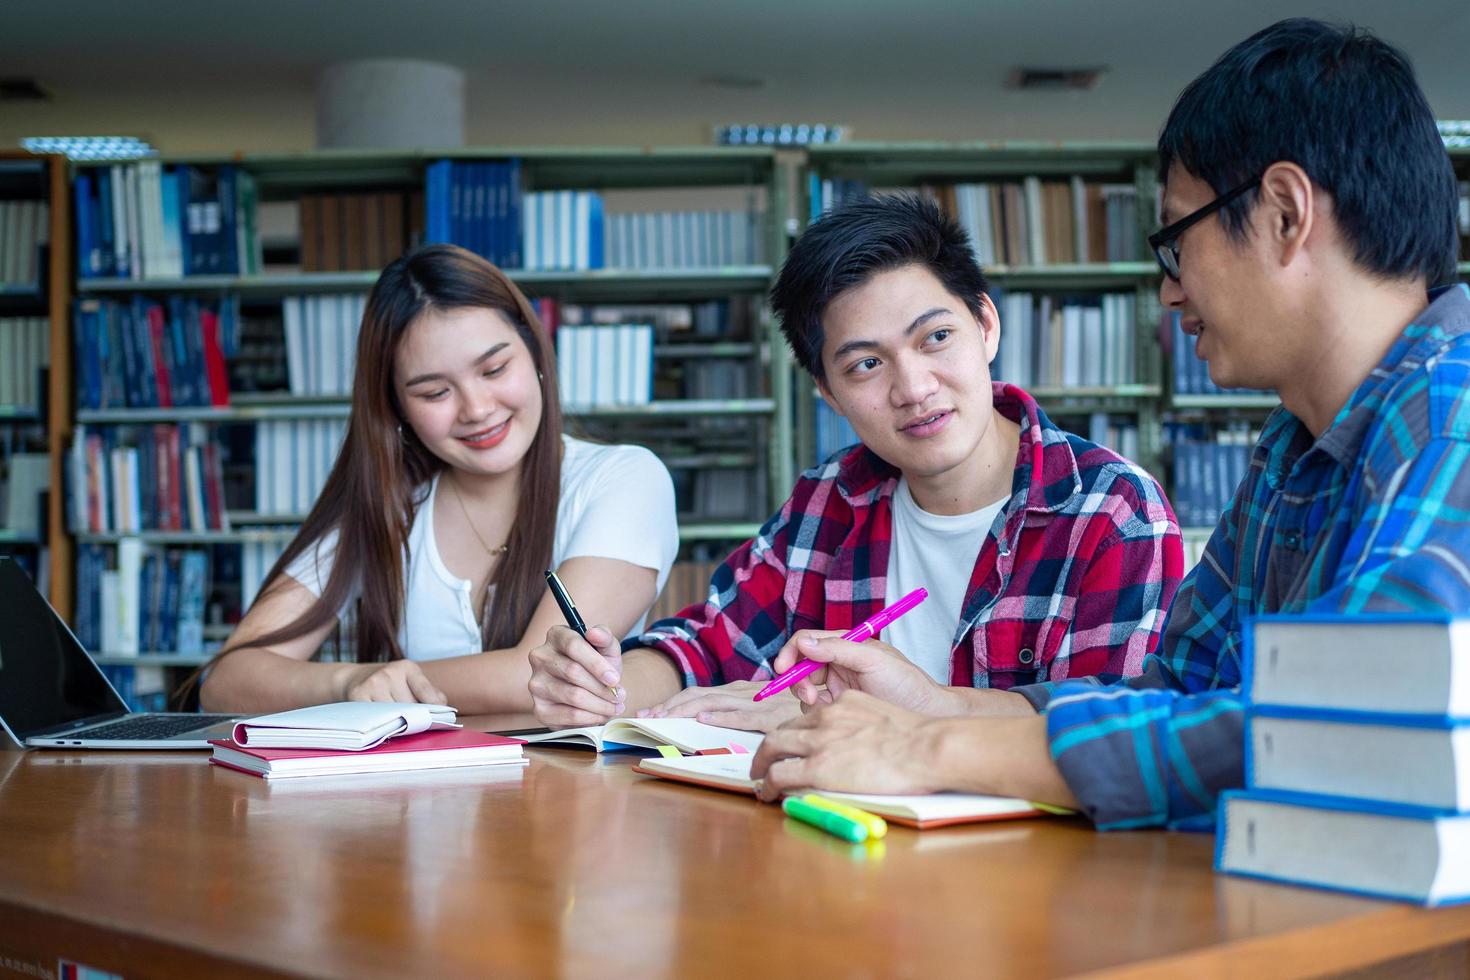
column 729, row 706
column 396, row 680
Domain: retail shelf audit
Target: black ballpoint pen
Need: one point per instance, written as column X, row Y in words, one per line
column 569, row 610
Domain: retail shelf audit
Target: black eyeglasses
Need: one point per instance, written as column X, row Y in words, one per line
column 1165, row 241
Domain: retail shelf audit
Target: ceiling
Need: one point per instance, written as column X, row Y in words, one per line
column 203, row 76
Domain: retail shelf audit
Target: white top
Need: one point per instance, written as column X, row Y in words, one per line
column 936, row 552
column 616, row 502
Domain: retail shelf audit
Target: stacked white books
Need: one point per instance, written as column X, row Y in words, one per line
column 1357, row 757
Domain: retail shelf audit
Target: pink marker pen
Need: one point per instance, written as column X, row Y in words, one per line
column 865, row 630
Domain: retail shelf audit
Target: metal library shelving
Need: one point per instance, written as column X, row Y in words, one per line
column 284, row 176
column 888, row 166
column 44, row 178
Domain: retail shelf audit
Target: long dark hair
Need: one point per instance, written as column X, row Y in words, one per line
column 376, row 484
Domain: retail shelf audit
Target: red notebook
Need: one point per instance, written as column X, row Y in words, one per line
column 425, row 750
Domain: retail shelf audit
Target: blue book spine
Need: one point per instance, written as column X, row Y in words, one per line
column 169, row 617
column 105, row 243
column 228, row 248
column 183, row 219
column 88, row 253
column 515, row 257
column 596, row 246
column 133, row 393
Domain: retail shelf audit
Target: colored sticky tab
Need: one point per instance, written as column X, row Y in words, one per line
column 876, row 825
column 833, row 823
column 1060, row 811
column 713, row 752
column 737, row 749
column 669, row 752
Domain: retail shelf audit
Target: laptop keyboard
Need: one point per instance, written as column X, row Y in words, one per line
column 151, row 726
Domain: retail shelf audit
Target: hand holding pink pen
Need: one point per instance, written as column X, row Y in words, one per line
column 865, row 630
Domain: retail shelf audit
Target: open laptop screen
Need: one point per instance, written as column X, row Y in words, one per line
column 46, row 678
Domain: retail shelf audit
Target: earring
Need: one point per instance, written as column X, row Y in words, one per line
column 540, row 376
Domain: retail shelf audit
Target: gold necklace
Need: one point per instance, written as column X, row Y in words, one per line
column 492, row 552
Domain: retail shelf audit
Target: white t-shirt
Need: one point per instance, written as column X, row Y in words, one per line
column 936, row 552
column 616, row 502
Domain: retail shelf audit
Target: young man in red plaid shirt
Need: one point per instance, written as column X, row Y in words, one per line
column 1046, row 556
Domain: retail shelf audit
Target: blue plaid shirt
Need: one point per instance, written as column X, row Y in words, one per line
column 1374, row 516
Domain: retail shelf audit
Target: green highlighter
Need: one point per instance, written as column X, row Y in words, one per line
column 877, row 827
column 833, row 823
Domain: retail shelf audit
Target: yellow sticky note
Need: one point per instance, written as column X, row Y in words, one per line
column 669, row 752
column 1060, row 811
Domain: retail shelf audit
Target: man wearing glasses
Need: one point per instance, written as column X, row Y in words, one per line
column 1310, row 236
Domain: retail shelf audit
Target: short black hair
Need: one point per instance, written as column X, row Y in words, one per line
column 852, row 243
column 1345, row 107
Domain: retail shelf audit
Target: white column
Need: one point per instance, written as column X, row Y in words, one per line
column 390, row 103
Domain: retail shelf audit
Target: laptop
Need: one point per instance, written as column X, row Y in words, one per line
column 52, row 695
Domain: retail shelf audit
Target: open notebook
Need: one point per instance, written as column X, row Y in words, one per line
column 684, row 734
column 732, row 772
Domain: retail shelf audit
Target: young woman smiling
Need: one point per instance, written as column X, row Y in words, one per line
column 454, row 491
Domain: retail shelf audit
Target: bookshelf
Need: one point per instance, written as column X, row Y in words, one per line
column 711, row 437
column 35, row 391
column 1131, row 398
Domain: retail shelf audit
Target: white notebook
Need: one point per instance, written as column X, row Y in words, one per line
column 685, row 734
column 349, row 725
column 732, row 772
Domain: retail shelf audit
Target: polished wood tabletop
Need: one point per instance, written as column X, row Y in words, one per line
column 158, row 864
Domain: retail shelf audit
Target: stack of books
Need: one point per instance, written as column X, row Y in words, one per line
column 1357, row 757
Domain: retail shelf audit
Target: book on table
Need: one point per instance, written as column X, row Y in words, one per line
column 1378, row 849
column 1415, row 760
column 349, row 725
column 423, row 750
column 732, row 772
column 685, row 734
column 1391, row 664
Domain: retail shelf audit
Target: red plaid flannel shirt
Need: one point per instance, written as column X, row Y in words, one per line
column 1075, row 582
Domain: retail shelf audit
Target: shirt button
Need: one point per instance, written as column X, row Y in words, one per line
column 1027, row 656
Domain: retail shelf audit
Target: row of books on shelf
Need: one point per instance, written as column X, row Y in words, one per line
column 25, row 352
column 164, row 477
column 1357, row 774
column 140, row 353
column 1024, row 222
column 1056, row 341
column 479, row 206
column 352, row 232
column 684, row 239
column 150, row 220
column 604, row 365
column 24, row 229
column 321, row 342
column 1045, row 222
column 708, row 319
column 293, row 458
column 141, row 599
column 1191, row 374
column 141, row 688
column 1207, row 469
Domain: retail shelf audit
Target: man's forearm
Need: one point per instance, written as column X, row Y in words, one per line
column 998, row 756
column 983, row 703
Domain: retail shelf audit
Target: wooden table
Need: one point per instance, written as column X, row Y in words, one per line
column 158, row 864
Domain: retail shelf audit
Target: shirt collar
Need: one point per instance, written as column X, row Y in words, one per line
column 1446, row 317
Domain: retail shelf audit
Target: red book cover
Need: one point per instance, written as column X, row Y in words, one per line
column 160, row 363
column 404, row 746
column 214, row 361
column 213, row 486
